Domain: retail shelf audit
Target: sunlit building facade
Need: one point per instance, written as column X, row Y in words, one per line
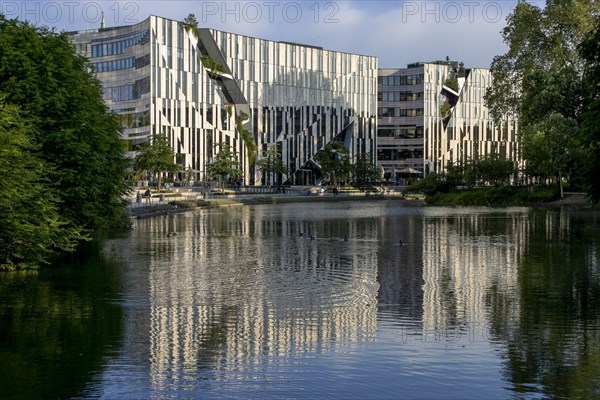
column 203, row 89
column 424, row 122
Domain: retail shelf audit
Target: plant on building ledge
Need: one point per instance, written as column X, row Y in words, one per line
column 452, row 83
column 462, row 72
column 212, row 65
column 241, row 117
column 190, row 23
column 446, row 110
column 450, row 92
column 248, row 139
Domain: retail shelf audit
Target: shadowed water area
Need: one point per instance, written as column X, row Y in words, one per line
column 323, row 300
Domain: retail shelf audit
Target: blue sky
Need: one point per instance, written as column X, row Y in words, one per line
column 398, row 32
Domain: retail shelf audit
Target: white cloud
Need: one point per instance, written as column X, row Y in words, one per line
column 398, row 32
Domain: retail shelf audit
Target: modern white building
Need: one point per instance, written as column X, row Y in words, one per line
column 431, row 114
column 202, row 90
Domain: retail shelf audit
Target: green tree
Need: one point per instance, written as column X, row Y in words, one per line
column 157, row 158
column 225, row 164
column 364, row 168
column 490, row 168
column 188, row 175
column 540, row 78
column 552, row 147
column 590, row 124
column 454, row 175
column 542, row 50
column 334, row 161
column 61, row 101
column 32, row 229
column 271, row 163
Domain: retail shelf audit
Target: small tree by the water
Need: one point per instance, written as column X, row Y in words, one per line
column 226, row 163
column 364, row 168
column 334, row 161
column 156, row 158
column 271, row 163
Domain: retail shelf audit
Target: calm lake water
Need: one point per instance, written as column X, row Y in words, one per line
column 351, row 300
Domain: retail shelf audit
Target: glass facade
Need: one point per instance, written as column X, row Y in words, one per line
column 428, row 125
column 295, row 96
column 119, row 57
column 400, row 115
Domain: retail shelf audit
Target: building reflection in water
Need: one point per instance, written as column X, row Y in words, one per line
column 463, row 256
column 436, row 288
column 248, row 292
column 400, row 268
column 241, row 284
column 249, row 283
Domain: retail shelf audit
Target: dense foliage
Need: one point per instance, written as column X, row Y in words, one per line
column 589, row 50
column 67, row 133
column 496, row 196
column 32, row 228
column 540, row 80
column 364, row 169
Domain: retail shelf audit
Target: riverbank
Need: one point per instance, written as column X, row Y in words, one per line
column 183, row 204
column 571, row 200
column 178, row 206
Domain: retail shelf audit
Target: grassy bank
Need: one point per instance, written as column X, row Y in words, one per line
column 496, row 196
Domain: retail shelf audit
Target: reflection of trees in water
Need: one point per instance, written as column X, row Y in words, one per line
column 550, row 324
column 56, row 328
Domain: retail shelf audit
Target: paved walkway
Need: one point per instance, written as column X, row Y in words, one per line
column 571, row 199
column 194, row 194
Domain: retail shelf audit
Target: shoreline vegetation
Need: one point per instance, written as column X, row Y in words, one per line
column 501, row 196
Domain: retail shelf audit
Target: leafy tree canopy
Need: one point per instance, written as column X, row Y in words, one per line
column 542, row 49
column 540, row 81
column 271, row 163
column 157, row 158
column 589, row 50
column 32, row 229
column 225, row 164
column 61, row 102
column 334, row 160
column 364, row 167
